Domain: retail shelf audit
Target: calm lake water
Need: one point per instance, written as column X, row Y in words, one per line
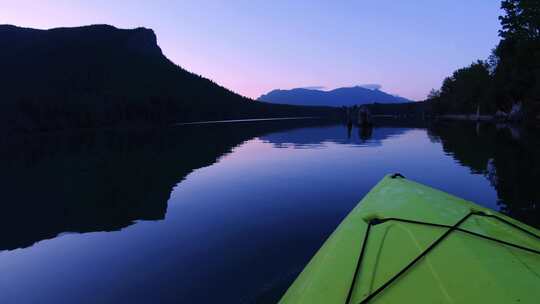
column 226, row 213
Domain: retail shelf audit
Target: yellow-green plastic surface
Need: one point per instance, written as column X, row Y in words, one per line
column 463, row 268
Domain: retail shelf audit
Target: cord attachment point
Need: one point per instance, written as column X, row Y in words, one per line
column 397, row 174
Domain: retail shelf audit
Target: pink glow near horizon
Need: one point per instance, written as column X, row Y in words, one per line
column 252, row 47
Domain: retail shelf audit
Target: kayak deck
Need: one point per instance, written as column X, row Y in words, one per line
column 456, row 266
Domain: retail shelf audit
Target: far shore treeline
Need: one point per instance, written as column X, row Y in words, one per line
column 509, row 78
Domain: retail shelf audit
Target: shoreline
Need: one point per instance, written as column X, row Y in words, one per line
column 468, row 117
column 243, row 120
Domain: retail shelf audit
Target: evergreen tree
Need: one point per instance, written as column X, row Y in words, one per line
column 517, row 74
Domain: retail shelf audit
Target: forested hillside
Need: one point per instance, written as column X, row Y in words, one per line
column 99, row 75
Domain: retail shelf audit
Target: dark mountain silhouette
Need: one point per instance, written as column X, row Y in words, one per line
column 99, row 75
column 338, row 97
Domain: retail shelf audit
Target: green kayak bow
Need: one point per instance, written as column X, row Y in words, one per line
column 409, row 243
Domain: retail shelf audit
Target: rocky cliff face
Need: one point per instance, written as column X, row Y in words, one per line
column 96, row 59
column 17, row 39
column 94, row 76
column 144, row 41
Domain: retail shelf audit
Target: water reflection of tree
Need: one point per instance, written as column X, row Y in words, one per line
column 508, row 157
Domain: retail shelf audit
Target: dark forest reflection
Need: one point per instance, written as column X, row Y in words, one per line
column 104, row 181
column 508, row 156
column 107, row 180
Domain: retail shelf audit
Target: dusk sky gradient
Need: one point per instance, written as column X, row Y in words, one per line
column 251, row 47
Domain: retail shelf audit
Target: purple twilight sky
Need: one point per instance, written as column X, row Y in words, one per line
column 253, row 46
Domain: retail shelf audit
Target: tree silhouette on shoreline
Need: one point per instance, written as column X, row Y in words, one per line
column 510, row 76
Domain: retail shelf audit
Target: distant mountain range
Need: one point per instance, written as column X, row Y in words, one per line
column 99, row 75
column 338, row 97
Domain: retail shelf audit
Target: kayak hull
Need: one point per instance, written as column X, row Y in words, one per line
column 460, row 268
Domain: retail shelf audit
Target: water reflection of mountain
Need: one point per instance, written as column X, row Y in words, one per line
column 106, row 180
column 339, row 134
column 507, row 156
